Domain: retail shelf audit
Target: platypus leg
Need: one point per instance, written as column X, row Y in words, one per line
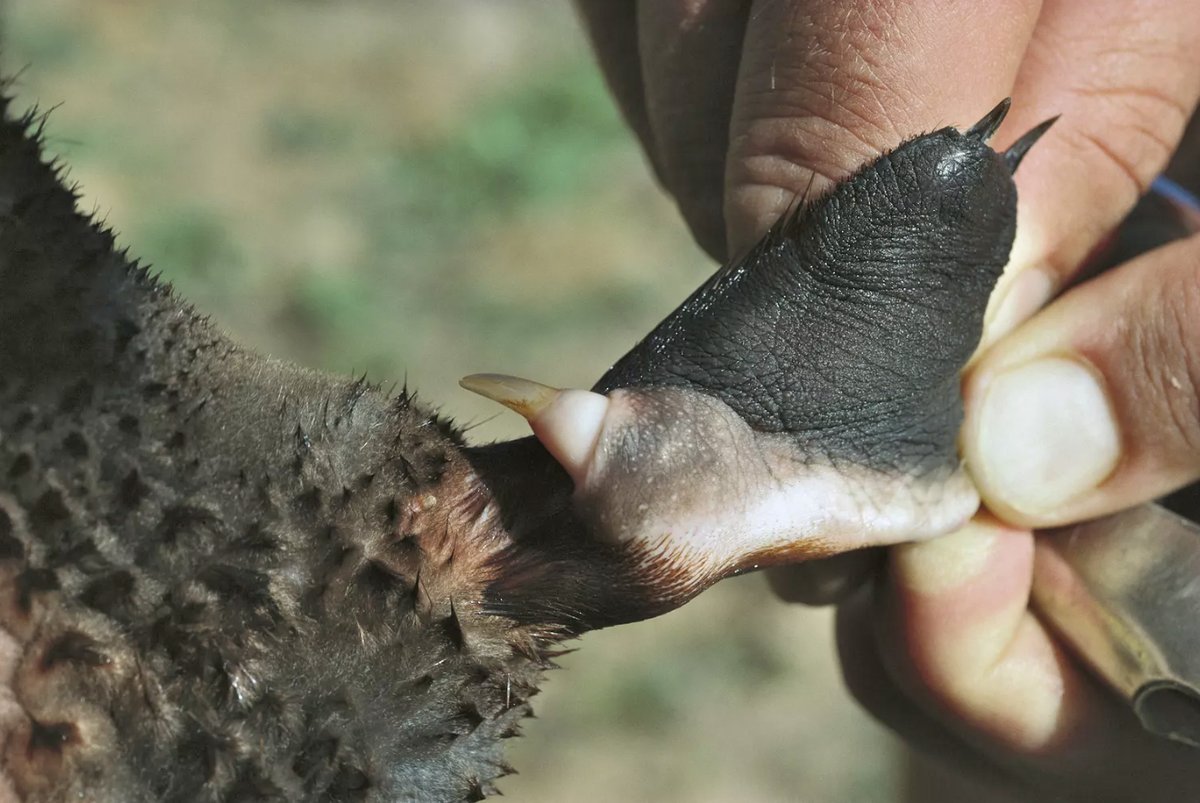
column 805, row 400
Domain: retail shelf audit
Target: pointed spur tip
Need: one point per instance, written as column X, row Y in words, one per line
column 567, row 422
column 1017, row 151
column 991, row 121
column 523, row 396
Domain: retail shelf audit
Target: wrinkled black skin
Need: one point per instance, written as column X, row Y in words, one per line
column 848, row 325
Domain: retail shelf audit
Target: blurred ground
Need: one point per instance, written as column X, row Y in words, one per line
column 427, row 191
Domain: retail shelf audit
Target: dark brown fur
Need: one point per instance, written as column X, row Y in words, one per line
column 228, row 578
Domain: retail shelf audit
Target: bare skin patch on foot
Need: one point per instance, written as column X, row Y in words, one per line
column 679, row 470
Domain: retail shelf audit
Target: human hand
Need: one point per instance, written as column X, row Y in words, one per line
column 744, row 106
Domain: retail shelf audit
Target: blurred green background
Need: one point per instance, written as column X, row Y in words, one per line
column 429, row 190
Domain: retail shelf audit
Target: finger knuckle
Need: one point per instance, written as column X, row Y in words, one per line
column 1142, row 123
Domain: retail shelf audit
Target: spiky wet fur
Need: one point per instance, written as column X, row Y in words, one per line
column 226, row 577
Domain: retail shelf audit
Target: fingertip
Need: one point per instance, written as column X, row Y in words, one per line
column 941, row 565
column 939, row 593
column 960, row 633
column 690, row 55
column 1089, row 407
column 955, row 602
column 1039, row 436
column 612, row 28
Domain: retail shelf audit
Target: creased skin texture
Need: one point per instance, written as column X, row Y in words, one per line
column 847, row 327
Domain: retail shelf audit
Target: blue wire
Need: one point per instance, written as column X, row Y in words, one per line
column 1173, row 192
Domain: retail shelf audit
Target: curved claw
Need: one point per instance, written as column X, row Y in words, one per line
column 985, row 128
column 1016, row 152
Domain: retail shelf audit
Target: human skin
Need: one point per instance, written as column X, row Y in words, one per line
column 1082, row 408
